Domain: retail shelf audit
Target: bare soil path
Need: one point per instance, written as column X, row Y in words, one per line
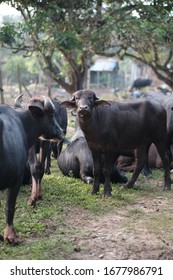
column 140, row 231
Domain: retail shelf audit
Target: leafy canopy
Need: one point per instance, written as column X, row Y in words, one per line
column 66, row 34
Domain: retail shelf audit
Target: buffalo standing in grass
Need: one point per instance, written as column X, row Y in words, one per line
column 113, row 126
column 77, row 160
column 18, row 132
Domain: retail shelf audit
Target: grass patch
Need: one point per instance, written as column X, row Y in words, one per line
column 44, row 230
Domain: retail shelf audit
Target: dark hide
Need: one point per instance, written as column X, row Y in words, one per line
column 39, row 159
column 113, row 126
column 167, row 103
column 76, row 160
column 127, row 163
column 18, row 132
column 140, row 83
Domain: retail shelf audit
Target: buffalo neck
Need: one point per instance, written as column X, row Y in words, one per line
column 31, row 127
column 86, row 124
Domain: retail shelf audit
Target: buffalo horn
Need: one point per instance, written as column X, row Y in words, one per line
column 48, row 105
column 72, row 98
column 96, row 97
column 18, row 101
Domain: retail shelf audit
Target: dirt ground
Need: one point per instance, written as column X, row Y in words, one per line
column 125, row 233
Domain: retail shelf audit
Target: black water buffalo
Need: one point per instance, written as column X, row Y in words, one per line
column 39, row 159
column 167, row 103
column 140, row 83
column 112, row 126
column 127, row 163
column 18, row 132
column 54, row 147
column 76, row 160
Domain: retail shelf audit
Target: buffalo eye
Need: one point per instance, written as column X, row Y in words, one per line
column 76, row 98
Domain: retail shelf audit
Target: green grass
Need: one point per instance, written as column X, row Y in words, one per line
column 44, row 231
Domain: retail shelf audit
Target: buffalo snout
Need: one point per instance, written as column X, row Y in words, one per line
column 54, row 132
column 83, row 110
column 59, row 133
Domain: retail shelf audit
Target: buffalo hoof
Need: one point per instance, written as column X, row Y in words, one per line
column 167, row 188
column 32, row 202
column 40, row 196
column 107, row 194
column 10, row 236
column 127, row 186
column 148, row 176
column 93, row 192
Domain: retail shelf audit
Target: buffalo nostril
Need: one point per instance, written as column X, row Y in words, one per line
column 83, row 107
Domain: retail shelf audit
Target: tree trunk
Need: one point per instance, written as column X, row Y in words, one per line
column 1, row 88
column 19, row 79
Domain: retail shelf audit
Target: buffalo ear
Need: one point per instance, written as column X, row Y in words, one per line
column 68, row 104
column 36, row 111
column 100, row 103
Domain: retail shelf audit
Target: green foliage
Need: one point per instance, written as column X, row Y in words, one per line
column 78, row 29
column 7, row 34
column 71, row 28
column 143, row 30
column 28, row 68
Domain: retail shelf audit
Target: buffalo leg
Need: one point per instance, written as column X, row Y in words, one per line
column 141, row 155
column 9, row 232
column 36, row 171
column 35, row 190
column 96, row 172
column 44, row 150
column 146, row 171
column 107, row 169
column 165, row 157
column 48, row 159
column 37, row 166
column 86, row 178
column 86, row 173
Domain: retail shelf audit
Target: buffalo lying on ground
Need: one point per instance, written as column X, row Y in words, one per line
column 112, row 126
column 127, row 163
column 18, row 132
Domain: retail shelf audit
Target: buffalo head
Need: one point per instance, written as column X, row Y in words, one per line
column 43, row 109
column 84, row 101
